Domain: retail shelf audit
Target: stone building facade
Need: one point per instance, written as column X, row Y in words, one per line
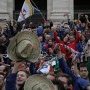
column 56, row 9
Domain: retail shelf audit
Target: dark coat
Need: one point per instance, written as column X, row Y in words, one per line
column 79, row 83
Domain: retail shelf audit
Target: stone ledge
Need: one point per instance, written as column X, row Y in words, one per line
column 4, row 15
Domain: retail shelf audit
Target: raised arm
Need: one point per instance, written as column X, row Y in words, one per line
column 11, row 78
column 64, row 67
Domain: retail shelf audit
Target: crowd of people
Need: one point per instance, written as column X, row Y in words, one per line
column 64, row 55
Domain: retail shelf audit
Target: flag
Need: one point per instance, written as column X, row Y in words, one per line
column 26, row 11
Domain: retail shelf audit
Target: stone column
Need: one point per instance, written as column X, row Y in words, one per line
column 56, row 10
column 10, row 5
column 3, row 9
column 6, row 9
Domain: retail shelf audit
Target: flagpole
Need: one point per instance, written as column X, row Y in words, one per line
column 39, row 10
